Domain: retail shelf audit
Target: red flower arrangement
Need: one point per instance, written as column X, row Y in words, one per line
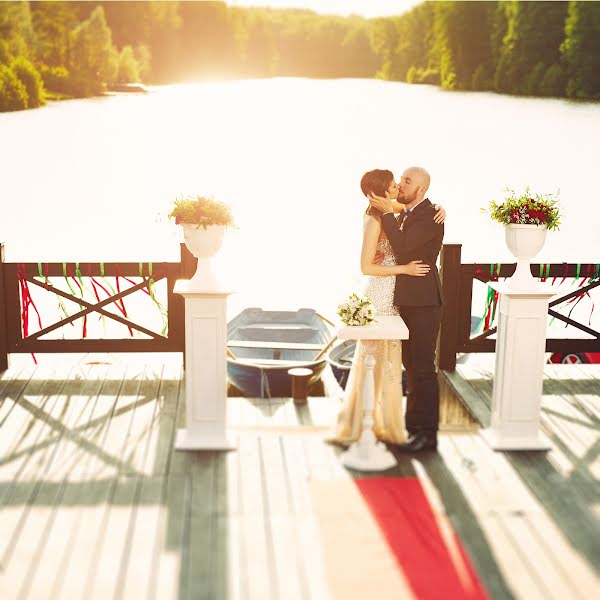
column 541, row 210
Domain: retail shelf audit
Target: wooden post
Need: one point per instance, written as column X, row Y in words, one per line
column 451, row 280
column 300, row 378
column 3, row 320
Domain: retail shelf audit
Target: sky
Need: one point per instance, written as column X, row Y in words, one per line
column 365, row 8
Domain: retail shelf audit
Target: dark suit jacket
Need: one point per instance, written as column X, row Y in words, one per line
column 420, row 239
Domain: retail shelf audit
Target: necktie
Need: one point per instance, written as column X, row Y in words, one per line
column 406, row 217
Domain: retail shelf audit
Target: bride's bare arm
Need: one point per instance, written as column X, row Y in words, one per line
column 371, row 233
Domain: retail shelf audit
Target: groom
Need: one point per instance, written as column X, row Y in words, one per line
column 416, row 236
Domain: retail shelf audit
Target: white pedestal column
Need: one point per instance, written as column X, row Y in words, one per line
column 205, row 369
column 367, row 453
column 518, row 379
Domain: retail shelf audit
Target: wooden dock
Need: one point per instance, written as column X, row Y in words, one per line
column 95, row 503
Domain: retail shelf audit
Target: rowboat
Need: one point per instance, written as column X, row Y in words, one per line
column 340, row 357
column 264, row 345
column 340, row 360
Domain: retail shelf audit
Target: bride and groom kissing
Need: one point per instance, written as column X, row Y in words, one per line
column 402, row 237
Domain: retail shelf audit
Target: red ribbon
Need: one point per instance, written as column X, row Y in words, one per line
column 123, row 309
column 26, row 302
column 565, row 274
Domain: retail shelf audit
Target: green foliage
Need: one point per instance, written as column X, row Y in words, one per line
column 52, row 25
column 482, row 80
column 128, row 69
column 537, row 48
column 449, row 80
column 199, row 210
column 534, row 34
column 428, row 76
column 55, row 79
column 30, row 77
column 553, row 83
column 526, row 209
column 143, row 57
column 5, row 53
column 532, row 85
column 413, row 41
column 15, row 26
column 13, row 94
column 94, row 60
column 581, row 49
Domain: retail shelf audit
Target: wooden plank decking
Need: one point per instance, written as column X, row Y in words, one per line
column 96, row 504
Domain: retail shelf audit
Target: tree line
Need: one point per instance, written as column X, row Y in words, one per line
column 526, row 48
column 80, row 48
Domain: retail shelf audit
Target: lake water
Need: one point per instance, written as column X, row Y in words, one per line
column 93, row 179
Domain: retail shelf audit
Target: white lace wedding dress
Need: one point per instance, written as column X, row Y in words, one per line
column 388, row 411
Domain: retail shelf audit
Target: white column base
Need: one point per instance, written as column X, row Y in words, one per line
column 205, row 370
column 368, row 454
column 519, row 372
column 497, row 441
column 184, row 440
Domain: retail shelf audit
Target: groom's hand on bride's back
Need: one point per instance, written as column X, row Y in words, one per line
column 440, row 214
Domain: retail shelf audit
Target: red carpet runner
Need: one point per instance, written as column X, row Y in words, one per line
column 423, row 543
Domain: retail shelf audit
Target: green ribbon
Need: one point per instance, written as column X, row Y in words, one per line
column 163, row 311
column 490, row 299
column 64, row 265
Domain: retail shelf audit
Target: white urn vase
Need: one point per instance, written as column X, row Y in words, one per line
column 524, row 241
column 204, row 243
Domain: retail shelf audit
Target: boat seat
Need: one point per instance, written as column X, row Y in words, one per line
column 270, row 361
column 291, row 326
column 273, row 345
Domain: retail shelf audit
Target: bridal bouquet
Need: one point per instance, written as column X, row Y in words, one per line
column 356, row 311
column 526, row 209
column 199, row 210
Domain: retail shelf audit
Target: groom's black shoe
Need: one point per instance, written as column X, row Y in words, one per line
column 424, row 440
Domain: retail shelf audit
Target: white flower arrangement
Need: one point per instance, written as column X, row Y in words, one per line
column 356, row 311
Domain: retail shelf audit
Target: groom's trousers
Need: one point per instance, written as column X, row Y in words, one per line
column 418, row 356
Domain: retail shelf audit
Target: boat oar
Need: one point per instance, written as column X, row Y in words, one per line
column 325, row 319
column 318, row 356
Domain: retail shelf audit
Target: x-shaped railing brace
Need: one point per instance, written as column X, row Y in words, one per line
column 94, row 307
column 552, row 313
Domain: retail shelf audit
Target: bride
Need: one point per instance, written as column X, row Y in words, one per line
column 378, row 262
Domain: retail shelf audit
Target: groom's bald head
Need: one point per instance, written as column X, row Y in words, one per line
column 414, row 185
column 420, row 176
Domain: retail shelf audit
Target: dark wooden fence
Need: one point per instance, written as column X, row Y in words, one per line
column 14, row 275
column 455, row 333
column 457, row 281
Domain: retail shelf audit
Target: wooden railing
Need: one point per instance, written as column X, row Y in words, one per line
column 15, row 278
column 457, row 282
